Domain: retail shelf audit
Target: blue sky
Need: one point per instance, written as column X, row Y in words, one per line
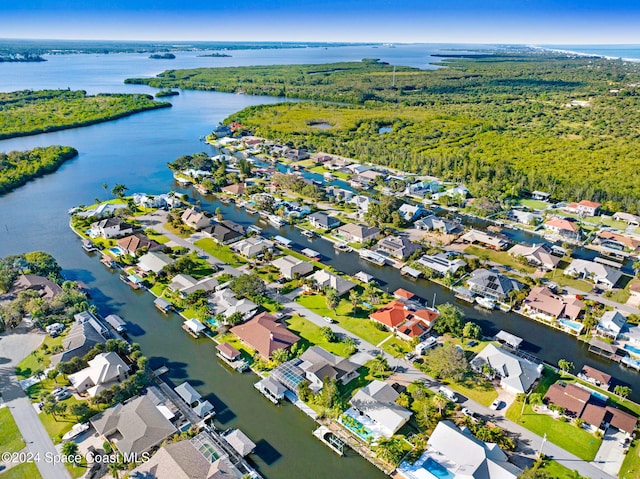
column 461, row 21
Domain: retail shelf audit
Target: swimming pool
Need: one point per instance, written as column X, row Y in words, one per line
column 212, row 322
column 574, row 325
column 355, row 426
column 116, row 250
column 632, row 349
column 437, row 469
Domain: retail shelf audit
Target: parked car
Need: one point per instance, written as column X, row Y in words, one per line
column 61, row 393
column 409, row 356
column 328, row 319
column 469, row 413
column 495, row 405
column 472, row 343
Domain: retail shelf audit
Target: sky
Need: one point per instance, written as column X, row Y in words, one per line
column 438, row 21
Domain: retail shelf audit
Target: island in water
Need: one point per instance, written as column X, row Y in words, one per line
column 216, row 55
column 162, row 56
column 168, row 92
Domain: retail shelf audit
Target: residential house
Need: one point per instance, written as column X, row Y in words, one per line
column 197, row 458
column 225, row 302
column 411, row 213
column 459, row 191
column 323, row 221
column 523, row 217
column 537, row 255
column 82, row 336
column 148, row 201
column 291, row 267
column 397, row 246
column 353, row 233
column 492, row 285
column 377, row 401
column 135, row 242
column 585, row 208
column 362, row 202
column 222, row 234
column 315, row 365
column 195, row 219
column 631, row 220
column 154, row 261
column 516, row 374
column 340, row 194
column 596, row 272
column 104, row 371
column 237, row 189
column 595, row 376
column 265, row 334
column 102, row 210
column 110, row 228
column 611, row 324
column 184, row 285
column 253, row 246
column 456, row 453
column 617, row 241
column 45, row 288
column 421, row 189
column 490, row 241
column 135, row 426
column 441, row 263
column 406, row 318
column 324, row 279
column 578, row 402
column 436, row 223
column 540, row 196
column 542, row 301
column 562, row 227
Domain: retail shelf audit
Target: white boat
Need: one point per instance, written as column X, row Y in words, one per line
column 344, row 247
column 254, row 228
column 76, row 430
column 308, row 234
column 275, row 220
column 486, row 302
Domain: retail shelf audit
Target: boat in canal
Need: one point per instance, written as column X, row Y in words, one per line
column 108, row 261
column 88, row 246
column 308, row 234
column 342, row 247
column 372, row 257
column 486, row 303
column 276, row 221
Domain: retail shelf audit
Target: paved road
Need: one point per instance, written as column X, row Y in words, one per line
column 14, row 346
column 528, row 442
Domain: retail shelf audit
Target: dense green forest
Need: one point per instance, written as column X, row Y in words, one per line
column 30, row 112
column 18, row 167
column 502, row 123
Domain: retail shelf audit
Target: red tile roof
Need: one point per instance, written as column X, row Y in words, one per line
column 426, row 315
column 391, row 315
column 596, row 374
column 589, row 204
column 413, row 328
column 562, row 224
column 264, row 334
column 620, row 419
column 570, row 397
column 403, row 293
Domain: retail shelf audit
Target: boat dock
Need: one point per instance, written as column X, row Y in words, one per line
column 372, row 257
column 336, row 444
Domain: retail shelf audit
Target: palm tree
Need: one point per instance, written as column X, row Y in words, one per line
column 118, row 190
column 353, row 297
column 114, row 470
column 622, row 391
column 390, row 450
column 440, row 401
column 105, row 187
column 564, row 365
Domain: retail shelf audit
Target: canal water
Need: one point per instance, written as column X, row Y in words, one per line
column 134, row 151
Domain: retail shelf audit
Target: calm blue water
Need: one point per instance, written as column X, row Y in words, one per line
column 627, row 52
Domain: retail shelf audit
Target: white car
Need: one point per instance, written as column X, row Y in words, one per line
column 469, row 413
column 328, row 319
column 495, row 405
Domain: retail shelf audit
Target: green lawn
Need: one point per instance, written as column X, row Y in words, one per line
column 631, row 465
column 61, row 424
column 157, row 237
column 501, row 257
column 564, row 434
column 178, row 231
column 397, row 347
column 557, row 470
column 311, row 334
column 158, row 288
column 77, row 470
column 222, row 252
column 534, row 204
column 476, row 388
column 558, row 277
column 10, row 437
column 38, row 359
column 618, row 295
column 359, row 324
column 203, row 269
column 26, row 470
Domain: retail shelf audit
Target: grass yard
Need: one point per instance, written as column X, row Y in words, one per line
column 61, row 424
column 631, row 465
column 77, row 470
column 10, row 437
column 179, row 232
column 26, row 470
column 558, row 277
column 358, row 324
column 222, row 252
column 312, row 335
column 476, row 388
column 38, row 359
column 618, row 295
column 232, row 339
column 556, row 470
column 564, row 434
column 397, row 347
column 158, row 288
column 501, row 257
column 203, row 269
column 534, row 204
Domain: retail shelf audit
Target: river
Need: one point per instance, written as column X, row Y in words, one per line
column 135, row 151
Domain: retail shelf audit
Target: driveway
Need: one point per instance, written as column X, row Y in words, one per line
column 14, row 346
column 611, row 453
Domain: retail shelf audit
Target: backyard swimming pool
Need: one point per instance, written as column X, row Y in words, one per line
column 574, row 325
column 116, row 250
column 632, row 349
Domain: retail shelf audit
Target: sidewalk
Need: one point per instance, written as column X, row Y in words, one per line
column 16, row 345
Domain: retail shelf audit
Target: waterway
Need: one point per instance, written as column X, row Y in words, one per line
column 135, row 151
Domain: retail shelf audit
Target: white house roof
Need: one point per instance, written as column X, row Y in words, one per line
column 598, row 272
column 612, row 321
column 377, row 401
column 515, row 372
column 194, row 325
column 154, row 261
